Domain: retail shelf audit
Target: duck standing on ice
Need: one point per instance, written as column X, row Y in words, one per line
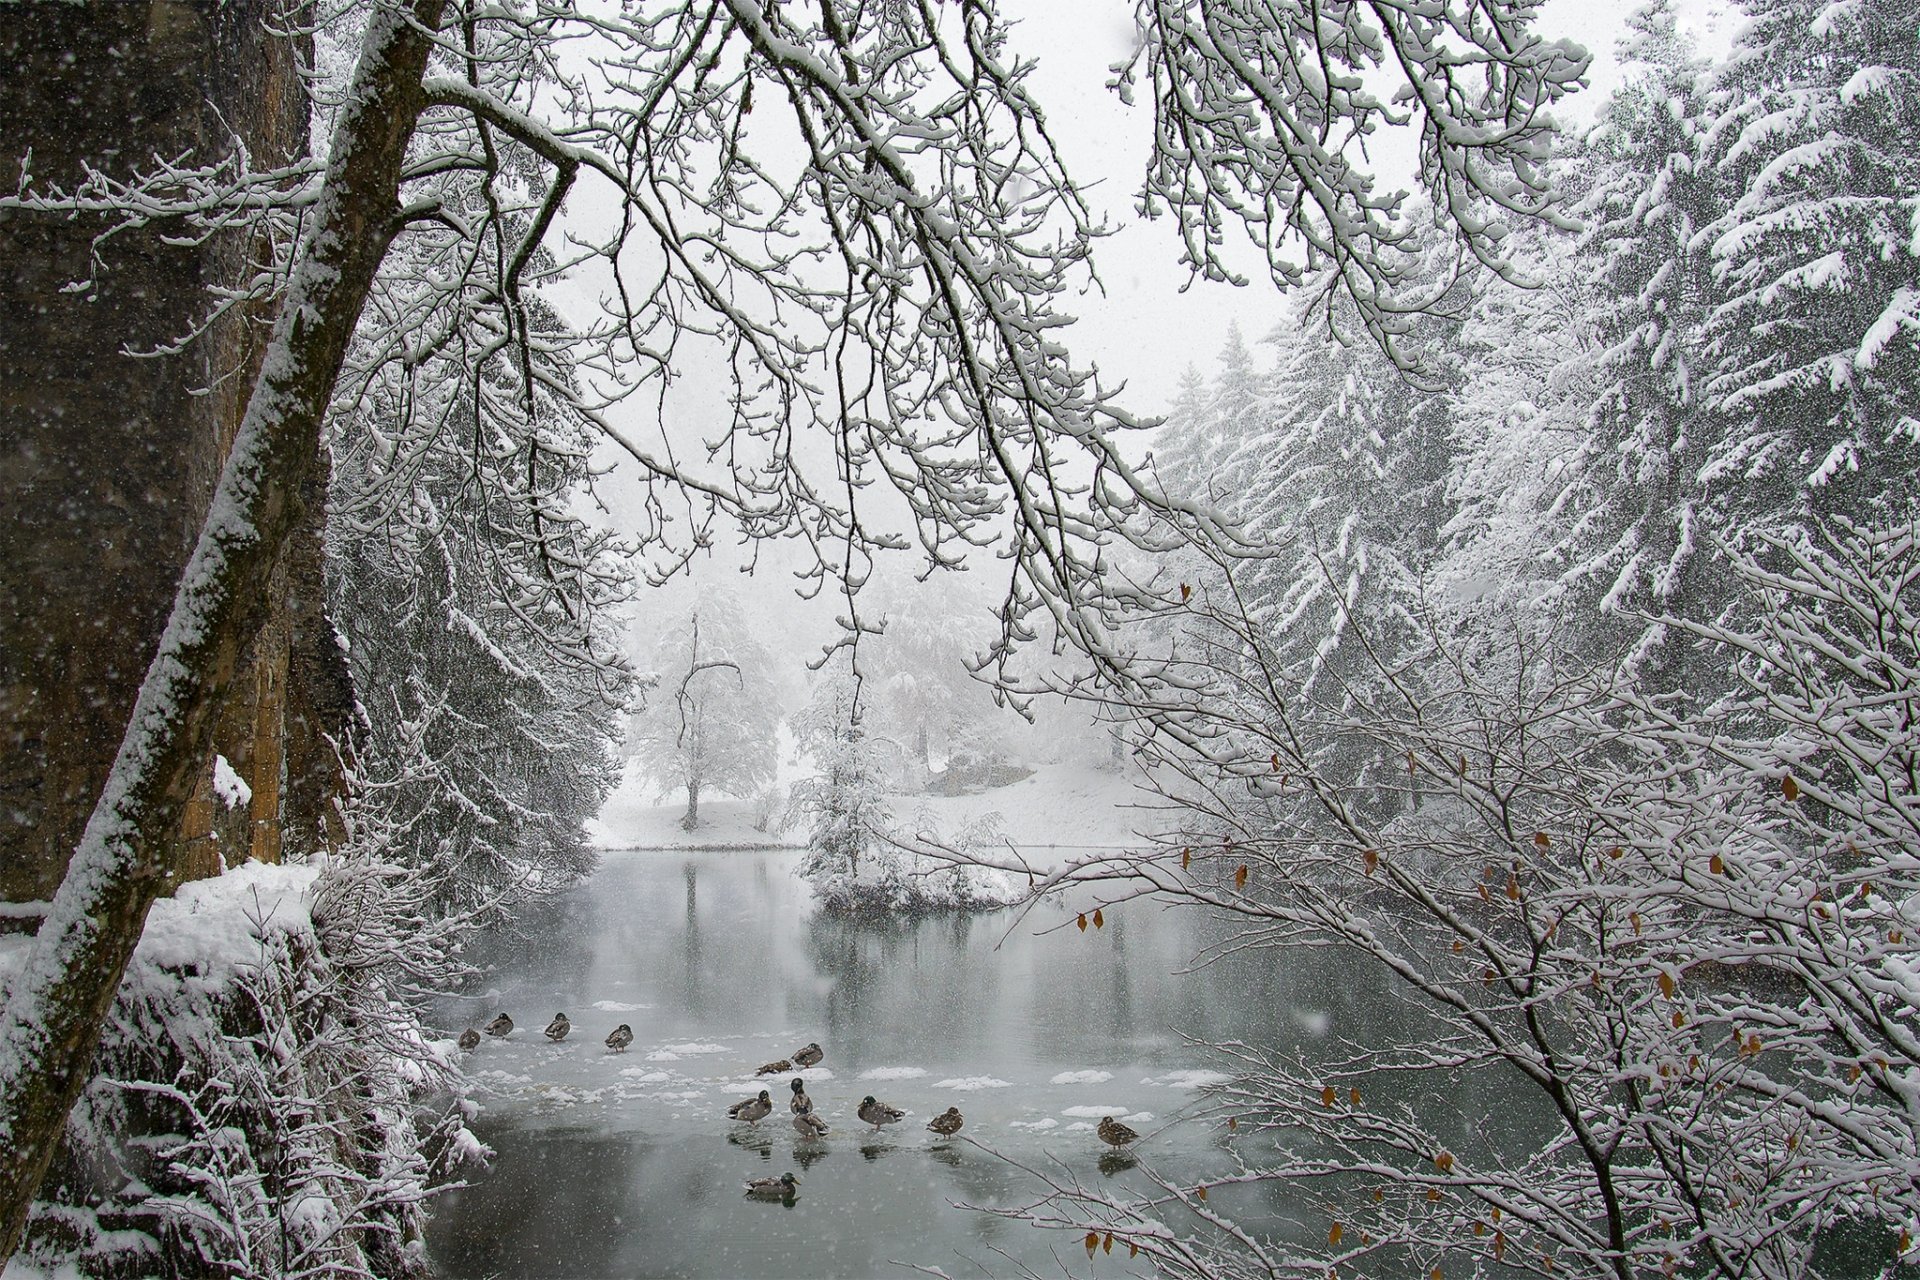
column 752, row 1110
column 947, row 1123
column 878, row 1113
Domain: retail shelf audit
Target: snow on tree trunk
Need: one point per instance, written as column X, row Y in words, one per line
column 57, row 1005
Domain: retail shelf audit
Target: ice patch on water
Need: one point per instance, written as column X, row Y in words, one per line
column 892, row 1073
column 1093, row 1112
column 1188, row 1079
column 1314, row 1022
column 640, row 1075
column 1082, row 1077
column 1139, row 1117
column 1079, row 1126
column 1038, row 1126
column 661, row 1055
column 693, row 1047
column 970, row 1083
column 614, row 1006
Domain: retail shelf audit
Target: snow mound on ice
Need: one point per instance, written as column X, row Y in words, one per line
column 1188, row 1079
column 970, row 1083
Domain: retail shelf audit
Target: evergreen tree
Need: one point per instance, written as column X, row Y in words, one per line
column 1815, row 337
column 476, row 609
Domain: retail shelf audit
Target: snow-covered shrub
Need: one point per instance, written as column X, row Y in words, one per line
column 264, row 1105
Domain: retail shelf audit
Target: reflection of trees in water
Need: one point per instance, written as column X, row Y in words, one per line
column 924, row 963
column 692, row 988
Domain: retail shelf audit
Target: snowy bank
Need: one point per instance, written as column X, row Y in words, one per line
column 258, row 1088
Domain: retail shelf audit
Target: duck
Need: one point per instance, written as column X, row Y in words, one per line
column 775, row 1068
column 469, row 1040
column 878, row 1113
column 800, row 1101
column 808, row 1125
column 810, row 1056
column 781, row 1187
column 752, row 1110
column 558, row 1028
column 947, row 1123
column 619, row 1038
column 500, row 1026
column 1115, row 1134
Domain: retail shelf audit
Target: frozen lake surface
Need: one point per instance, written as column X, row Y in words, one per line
column 626, row 1164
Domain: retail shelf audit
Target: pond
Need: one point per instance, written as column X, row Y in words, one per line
column 626, row 1164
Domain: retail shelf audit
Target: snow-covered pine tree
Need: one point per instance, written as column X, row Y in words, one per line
column 1635, row 507
column 1815, row 336
column 477, row 610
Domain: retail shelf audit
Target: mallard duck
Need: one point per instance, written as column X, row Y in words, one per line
column 808, row 1057
column 947, row 1123
column 752, row 1110
column 558, row 1028
column 808, row 1125
column 778, row 1188
column 878, row 1113
column 500, row 1026
column 469, row 1040
column 775, row 1068
column 1113, row 1133
column 619, row 1038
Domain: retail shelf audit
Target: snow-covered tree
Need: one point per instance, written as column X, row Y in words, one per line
column 711, row 718
column 475, row 601
column 1815, row 335
column 850, row 860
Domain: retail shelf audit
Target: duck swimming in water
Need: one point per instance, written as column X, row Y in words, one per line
column 779, row 1188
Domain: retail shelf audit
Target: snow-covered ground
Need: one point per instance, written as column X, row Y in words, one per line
column 1057, row 812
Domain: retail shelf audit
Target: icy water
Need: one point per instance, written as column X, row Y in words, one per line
column 625, row 1164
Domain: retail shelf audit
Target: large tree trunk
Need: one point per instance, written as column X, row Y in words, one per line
column 59, row 1001
column 113, row 433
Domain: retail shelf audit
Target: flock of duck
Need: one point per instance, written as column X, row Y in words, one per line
column 806, row 1122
